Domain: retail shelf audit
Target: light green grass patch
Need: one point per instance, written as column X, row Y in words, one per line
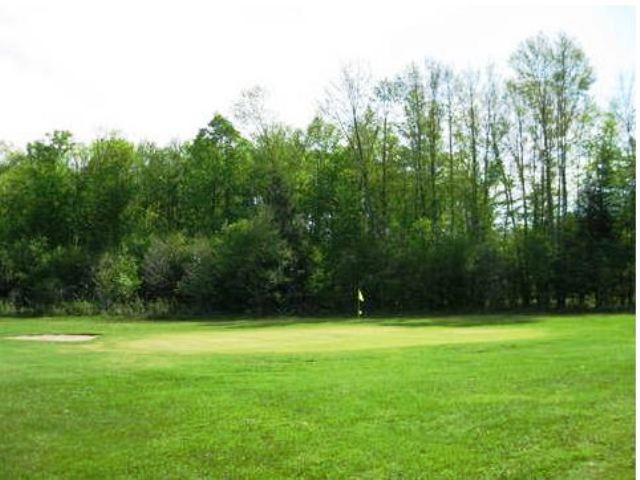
column 321, row 338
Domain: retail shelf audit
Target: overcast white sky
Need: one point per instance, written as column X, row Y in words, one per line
column 159, row 70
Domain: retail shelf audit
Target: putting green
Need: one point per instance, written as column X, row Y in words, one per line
column 319, row 338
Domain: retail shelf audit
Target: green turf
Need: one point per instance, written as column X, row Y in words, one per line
column 460, row 397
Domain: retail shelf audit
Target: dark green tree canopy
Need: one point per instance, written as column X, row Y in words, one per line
column 432, row 189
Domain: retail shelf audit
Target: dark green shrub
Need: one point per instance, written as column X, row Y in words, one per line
column 252, row 264
column 199, row 284
column 117, row 279
column 163, row 267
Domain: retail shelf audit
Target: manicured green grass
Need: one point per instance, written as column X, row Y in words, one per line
column 458, row 397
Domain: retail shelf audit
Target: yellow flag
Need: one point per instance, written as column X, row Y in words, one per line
column 360, row 296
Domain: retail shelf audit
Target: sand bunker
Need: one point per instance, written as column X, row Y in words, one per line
column 55, row 338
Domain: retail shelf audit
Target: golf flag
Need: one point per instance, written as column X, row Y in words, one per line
column 360, row 296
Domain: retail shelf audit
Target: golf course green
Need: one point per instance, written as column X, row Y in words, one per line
column 509, row 396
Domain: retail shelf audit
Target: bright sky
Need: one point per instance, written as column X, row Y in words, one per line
column 159, row 70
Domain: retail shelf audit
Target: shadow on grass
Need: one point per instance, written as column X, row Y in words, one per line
column 408, row 321
column 461, row 321
column 248, row 322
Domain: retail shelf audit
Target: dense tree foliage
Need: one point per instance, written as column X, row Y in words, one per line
column 430, row 190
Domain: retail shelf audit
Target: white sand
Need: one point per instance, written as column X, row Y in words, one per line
column 55, row 338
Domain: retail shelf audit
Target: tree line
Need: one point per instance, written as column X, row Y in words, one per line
column 431, row 190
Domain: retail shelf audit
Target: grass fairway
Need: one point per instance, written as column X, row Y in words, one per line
column 458, row 397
